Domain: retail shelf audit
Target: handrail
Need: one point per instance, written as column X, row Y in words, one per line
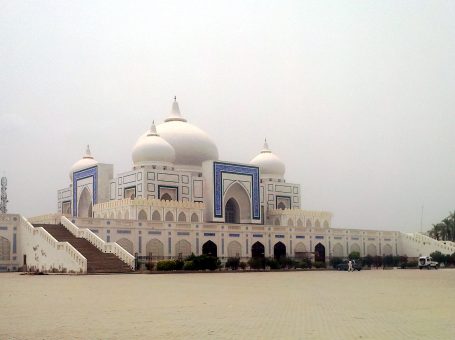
column 99, row 243
column 53, row 242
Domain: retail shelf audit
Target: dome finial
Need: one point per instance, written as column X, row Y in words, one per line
column 88, row 154
column 175, row 112
column 152, row 131
column 265, row 148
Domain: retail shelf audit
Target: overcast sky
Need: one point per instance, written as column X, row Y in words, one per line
column 357, row 98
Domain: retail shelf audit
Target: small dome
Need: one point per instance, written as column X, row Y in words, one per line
column 151, row 148
column 192, row 146
column 86, row 162
column 269, row 163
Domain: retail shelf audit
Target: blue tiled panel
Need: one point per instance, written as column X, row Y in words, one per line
column 209, row 234
column 319, row 237
column 279, row 236
column 299, row 236
column 90, row 172
column 257, row 235
column 183, row 233
column 219, row 168
column 234, row 235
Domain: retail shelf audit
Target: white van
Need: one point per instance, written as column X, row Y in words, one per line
column 427, row 262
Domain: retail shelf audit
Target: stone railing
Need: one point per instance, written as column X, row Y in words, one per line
column 445, row 247
column 300, row 213
column 105, row 247
column 45, row 253
column 147, row 202
column 46, row 219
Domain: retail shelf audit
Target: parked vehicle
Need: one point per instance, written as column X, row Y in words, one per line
column 345, row 265
column 427, row 262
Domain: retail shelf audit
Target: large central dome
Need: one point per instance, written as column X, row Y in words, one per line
column 192, row 145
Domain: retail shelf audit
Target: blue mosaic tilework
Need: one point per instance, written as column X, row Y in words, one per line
column 219, row 168
column 90, row 172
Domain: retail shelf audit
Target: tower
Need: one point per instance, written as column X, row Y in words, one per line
column 4, row 196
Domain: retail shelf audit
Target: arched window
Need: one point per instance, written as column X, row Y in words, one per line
column 326, row 224
column 234, row 249
column 183, row 249
column 169, row 216
column 299, row 223
column 308, row 223
column 317, row 224
column 277, row 221
column 154, row 248
column 281, row 206
column 156, row 216
column 194, row 218
column 142, row 215
column 290, row 222
column 182, row 217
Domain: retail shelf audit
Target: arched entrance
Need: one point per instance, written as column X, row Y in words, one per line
column 319, row 253
column 84, row 208
column 209, row 248
column 279, row 250
column 166, row 197
column 232, row 211
column 257, row 250
column 239, row 204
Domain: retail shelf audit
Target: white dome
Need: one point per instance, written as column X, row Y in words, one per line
column 269, row 163
column 151, row 148
column 85, row 162
column 192, row 145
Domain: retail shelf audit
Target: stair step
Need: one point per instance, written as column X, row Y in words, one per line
column 97, row 261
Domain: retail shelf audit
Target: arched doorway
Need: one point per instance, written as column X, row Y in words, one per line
column 232, row 211
column 154, row 248
column 240, row 205
column 142, row 215
column 319, row 253
column 279, row 250
column 126, row 244
column 84, row 208
column 182, row 249
column 234, row 249
column 257, row 250
column 209, row 248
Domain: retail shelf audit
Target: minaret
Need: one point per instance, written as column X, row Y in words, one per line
column 4, row 196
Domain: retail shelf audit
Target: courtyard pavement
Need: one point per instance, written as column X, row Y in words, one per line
column 370, row 304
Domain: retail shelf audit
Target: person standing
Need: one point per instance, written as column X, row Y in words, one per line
column 350, row 266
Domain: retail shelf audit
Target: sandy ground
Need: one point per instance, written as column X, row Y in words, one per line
column 376, row 304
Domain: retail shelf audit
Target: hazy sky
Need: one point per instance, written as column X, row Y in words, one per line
column 357, row 98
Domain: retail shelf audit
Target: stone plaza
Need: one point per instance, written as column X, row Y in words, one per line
column 370, row 304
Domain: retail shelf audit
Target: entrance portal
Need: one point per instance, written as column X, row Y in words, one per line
column 232, row 211
column 209, row 248
column 319, row 253
column 279, row 250
column 85, row 204
column 257, row 250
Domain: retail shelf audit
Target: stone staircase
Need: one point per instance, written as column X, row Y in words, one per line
column 97, row 261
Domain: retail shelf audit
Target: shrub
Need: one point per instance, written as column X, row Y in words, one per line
column 387, row 261
column 411, row 264
column 305, row 263
column 203, row 262
column 368, row 260
column 243, row 265
column 233, row 263
column 355, row 255
column 335, row 261
column 319, row 264
column 287, row 262
column 257, row 263
column 166, row 265
column 149, row 265
column 440, row 257
column 188, row 265
column 377, row 261
column 272, row 263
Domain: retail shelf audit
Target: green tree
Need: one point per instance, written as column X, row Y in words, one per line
column 444, row 230
column 355, row 255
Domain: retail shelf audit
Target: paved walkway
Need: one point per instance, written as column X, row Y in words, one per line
column 376, row 304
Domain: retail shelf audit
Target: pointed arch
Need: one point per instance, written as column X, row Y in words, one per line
column 142, row 215
column 126, row 244
column 119, row 215
column 257, row 250
column 281, row 206
column 317, row 224
column 387, row 249
column 156, row 216
column 299, row 223
column 372, row 250
column 326, row 224
column 154, row 248
column 234, row 249
column 338, row 250
column 166, row 197
column 127, row 215
column 279, row 250
column 182, row 217
column 210, row 248
column 112, row 215
column 84, row 207
column 354, row 247
column 194, row 217
column 290, row 222
column 319, row 252
column 300, row 250
column 183, row 249
column 308, row 223
column 169, row 216
column 277, row 221
column 239, row 200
